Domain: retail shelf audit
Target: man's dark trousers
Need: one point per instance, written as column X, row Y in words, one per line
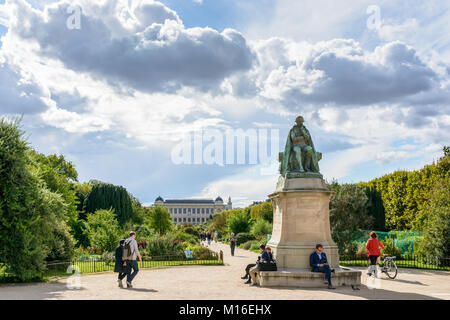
column 249, row 266
column 132, row 264
column 325, row 269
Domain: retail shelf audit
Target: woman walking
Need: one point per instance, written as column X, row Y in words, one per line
column 120, row 265
column 232, row 243
column 373, row 251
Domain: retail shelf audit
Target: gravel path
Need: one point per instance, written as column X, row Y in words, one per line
column 223, row 282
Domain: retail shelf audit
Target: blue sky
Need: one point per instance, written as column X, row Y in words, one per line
column 118, row 94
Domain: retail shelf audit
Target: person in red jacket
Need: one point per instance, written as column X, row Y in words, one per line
column 373, row 251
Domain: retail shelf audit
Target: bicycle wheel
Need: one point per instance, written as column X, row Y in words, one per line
column 391, row 269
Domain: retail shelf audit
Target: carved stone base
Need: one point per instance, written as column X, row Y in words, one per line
column 301, row 220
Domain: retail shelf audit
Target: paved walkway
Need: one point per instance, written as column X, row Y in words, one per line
column 223, row 282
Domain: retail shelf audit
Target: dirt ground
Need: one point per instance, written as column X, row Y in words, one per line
column 223, row 282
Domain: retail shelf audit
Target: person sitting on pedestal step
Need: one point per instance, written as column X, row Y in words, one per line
column 319, row 263
column 254, row 272
column 251, row 265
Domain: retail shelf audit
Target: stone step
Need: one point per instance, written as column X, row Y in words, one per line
column 305, row 278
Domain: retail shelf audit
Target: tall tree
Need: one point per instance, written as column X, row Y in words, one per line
column 348, row 213
column 108, row 196
column 159, row 220
column 436, row 239
column 32, row 218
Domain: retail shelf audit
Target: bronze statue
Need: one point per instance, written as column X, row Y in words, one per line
column 299, row 155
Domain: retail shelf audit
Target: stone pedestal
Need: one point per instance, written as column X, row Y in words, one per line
column 300, row 221
column 304, row 278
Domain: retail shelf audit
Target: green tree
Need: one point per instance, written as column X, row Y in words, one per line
column 81, row 191
column 348, row 213
column 103, row 230
column 403, row 194
column 262, row 211
column 108, row 196
column 238, row 223
column 436, row 234
column 32, row 218
column 159, row 220
column 261, row 227
column 60, row 177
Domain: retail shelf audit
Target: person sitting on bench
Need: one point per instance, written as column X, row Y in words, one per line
column 262, row 247
column 319, row 263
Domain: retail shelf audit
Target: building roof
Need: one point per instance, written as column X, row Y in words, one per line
column 219, row 199
column 189, row 201
column 159, row 199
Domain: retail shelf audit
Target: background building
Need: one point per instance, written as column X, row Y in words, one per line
column 194, row 211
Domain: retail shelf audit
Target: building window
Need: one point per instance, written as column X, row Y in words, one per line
column 184, row 210
column 175, row 210
column 184, row 219
column 170, row 209
column 207, row 210
column 189, row 219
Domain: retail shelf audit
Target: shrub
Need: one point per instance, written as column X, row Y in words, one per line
column 162, row 246
column 352, row 249
column 390, row 248
column 248, row 244
column 103, row 230
column 189, row 229
column 261, row 227
column 361, row 253
column 255, row 247
column 244, row 237
column 186, row 237
column 108, row 257
column 203, row 253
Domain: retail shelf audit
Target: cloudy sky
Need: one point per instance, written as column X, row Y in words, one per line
column 116, row 85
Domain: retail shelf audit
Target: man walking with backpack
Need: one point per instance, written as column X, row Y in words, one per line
column 130, row 252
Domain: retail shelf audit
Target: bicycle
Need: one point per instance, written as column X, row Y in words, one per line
column 389, row 267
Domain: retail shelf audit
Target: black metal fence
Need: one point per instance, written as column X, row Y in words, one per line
column 405, row 261
column 92, row 265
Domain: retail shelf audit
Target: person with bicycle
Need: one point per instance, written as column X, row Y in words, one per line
column 373, row 252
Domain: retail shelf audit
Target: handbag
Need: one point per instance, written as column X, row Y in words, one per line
column 267, row 266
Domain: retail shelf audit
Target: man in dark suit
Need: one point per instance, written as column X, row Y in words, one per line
column 319, row 263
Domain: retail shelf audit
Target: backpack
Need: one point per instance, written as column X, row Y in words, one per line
column 127, row 254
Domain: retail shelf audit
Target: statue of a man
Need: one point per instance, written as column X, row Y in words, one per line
column 299, row 154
